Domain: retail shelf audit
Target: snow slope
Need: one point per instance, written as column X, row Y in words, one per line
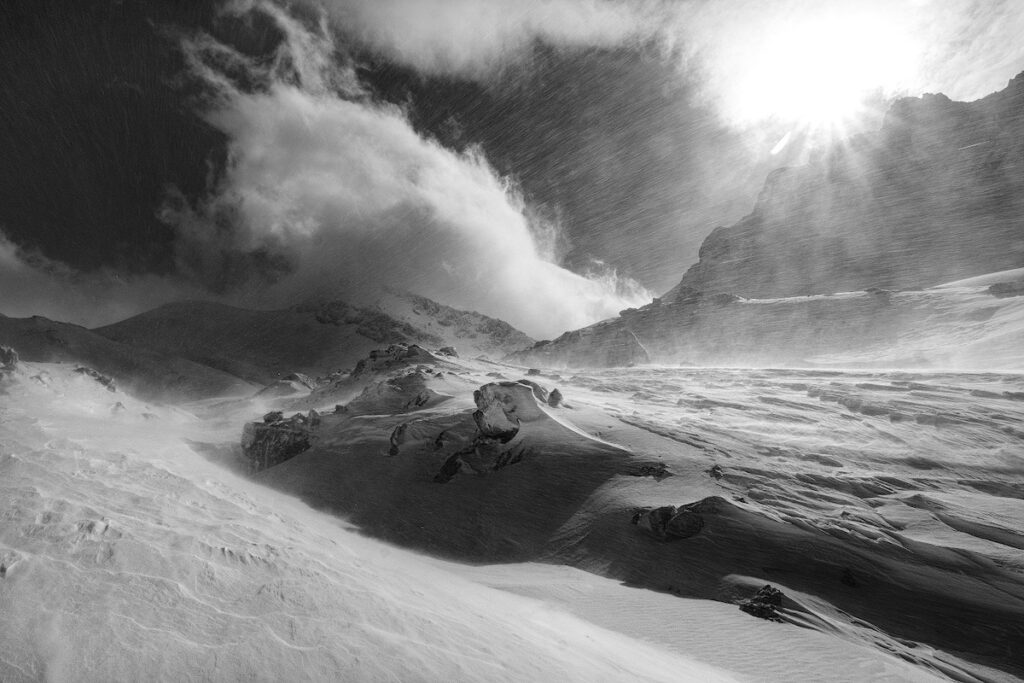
column 127, row 556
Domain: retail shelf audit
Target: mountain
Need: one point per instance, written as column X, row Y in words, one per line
column 146, row 373
column 843, row 260
column 470, row 332
column 312, row 338
column 975, row 324
column 935, row 195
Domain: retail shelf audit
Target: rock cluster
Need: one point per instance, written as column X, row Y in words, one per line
column 765, row 604
column 501, row 409
column 670, row 522
column 101, row 378
column 277, row 438
column 393, row 356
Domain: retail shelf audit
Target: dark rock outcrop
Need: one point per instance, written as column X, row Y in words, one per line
column 501, row 410
column 934, row 196
column 765, row 604
column 448, row 351
column 8, row 359
column 392, row 357
column 107, row 382
column 276, row 438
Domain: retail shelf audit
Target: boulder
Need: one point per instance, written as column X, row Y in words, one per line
column 670, row 522
column 765, row 604
column 8, row 358
column 448, row 351
column 554, row 398
column 501, row 410
column 277, row 438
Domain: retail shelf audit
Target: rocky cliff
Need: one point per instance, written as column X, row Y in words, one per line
column 935, row 195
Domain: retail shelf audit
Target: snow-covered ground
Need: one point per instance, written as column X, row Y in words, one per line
column 130, row 553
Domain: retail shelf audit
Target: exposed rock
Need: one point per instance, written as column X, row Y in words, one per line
column 397, row 438
column 554, row 398
column 304, row 380
column 8, row 358
column 658, row 471
column 765, row 604
column 448, row 351
column 102, row 379
column 670, row 522
column 277, row 439
column 532, row 372
column 501, row 410
column 716, row 471
column 396, row 395
column 394, row 356
column 935, row 195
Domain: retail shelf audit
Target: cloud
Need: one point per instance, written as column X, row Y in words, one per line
column 35, row 285
column 328, row 193
column 474, row 38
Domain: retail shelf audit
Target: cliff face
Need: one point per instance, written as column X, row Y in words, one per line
column 935, row 195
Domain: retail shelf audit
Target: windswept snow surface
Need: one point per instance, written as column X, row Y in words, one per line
column 128, row 557
column 884, row 504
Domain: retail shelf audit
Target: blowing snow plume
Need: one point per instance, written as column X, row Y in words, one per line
column 328, row 193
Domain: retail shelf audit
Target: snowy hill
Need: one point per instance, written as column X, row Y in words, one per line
column 148, row 373
column 313, row 338
column 970, row 324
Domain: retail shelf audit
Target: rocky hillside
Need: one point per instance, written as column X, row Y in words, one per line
column 971, row 324
column 935, row 195
column 470, row 332
column 146, row 373
column 312, row 338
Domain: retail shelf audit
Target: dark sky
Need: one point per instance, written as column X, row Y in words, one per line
column 99, row 119
column 154, row 149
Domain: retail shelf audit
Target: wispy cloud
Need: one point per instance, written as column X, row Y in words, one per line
column 341, row 197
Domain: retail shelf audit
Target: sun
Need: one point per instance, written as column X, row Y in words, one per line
column 818, row 71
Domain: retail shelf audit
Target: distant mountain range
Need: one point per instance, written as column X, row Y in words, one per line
column 840, row 260
column 195, row 349
column 935, row 195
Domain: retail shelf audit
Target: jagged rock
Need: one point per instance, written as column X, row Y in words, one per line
column 102, row 379
column 501, row 410
column 449, row 469
column 398, row 394
column 395, row 355
column 277, row 439
column 397, row 438
column 716, row 471
column 448, row 351
column 765, row 604
column 669, row 522
column 8, row 358
column 554, row 398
